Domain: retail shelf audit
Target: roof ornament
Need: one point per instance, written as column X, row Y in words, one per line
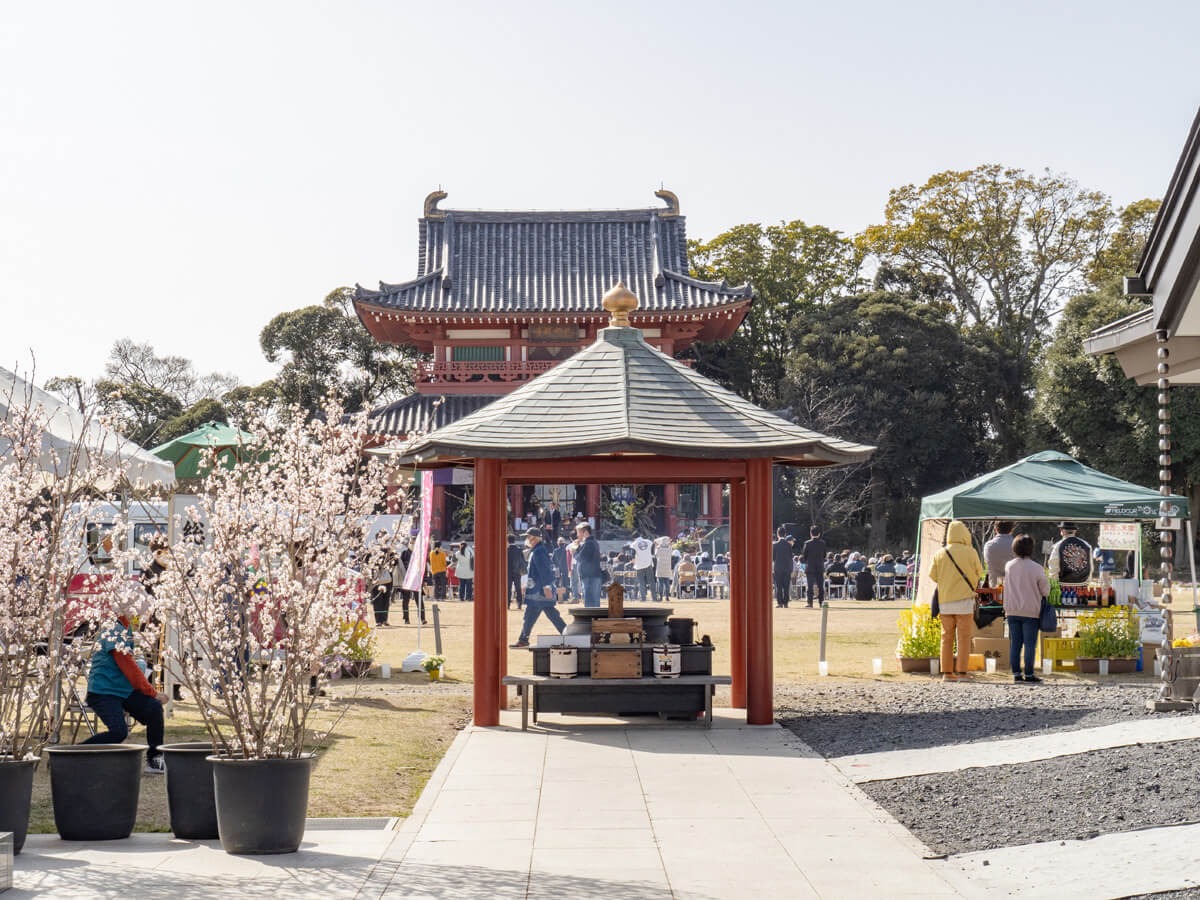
column 620, row 302
column 431, row 204
column 667, row 197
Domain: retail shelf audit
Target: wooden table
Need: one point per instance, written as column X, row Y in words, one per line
column 535, row 685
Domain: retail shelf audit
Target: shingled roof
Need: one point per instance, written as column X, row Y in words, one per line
column 480, row 262
column 419, row 413
column 620, row 395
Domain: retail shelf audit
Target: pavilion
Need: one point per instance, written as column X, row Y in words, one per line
column 623, row 411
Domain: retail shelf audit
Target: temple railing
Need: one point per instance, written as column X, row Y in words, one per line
column 476, row 372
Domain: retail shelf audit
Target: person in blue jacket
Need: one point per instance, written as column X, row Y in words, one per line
column 539, row 595
column 117, row 685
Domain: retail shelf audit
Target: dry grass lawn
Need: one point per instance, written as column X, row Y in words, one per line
column 375, row 763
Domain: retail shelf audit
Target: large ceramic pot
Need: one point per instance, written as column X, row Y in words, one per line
column 16, row 790
column 190, row 798
column 95, row 788
column 261, row 803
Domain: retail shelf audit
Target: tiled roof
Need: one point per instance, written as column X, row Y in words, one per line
column 622, row 395
column 478, row 262
column 420, row 413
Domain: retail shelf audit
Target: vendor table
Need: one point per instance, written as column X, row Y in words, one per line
column 665, row 696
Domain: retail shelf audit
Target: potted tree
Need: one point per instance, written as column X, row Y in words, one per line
column 920, row 638
column 263, row 606
column 1108, row 634
column 44, row 598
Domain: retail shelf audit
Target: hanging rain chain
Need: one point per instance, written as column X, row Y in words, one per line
column 1166, row 537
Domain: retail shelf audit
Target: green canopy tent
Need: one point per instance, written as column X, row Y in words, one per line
column 1044, row 487
column 187, row 452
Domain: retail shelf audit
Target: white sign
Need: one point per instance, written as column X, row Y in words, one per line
column 1119, row 536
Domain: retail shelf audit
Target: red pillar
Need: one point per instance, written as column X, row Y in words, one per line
column 714, row 504
column 760, row 675
column 437, row 526
column 737, row 593
column 502, row 600
column 514, row 500
column 489, row 590
column 593, row 502
column 670, row 501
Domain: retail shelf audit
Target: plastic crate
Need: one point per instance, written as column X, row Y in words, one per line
column 1064, row 651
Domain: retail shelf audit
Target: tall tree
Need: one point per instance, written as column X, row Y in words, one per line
column 1102, row 417
column 792, row 266
column 1012, row 246
column 326, row 351
column 897, row 373
column 146, row 395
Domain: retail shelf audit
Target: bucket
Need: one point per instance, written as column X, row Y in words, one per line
column 564, row 662
column 681, row 631
column 668, row 661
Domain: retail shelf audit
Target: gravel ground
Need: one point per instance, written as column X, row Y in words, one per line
column 1071, row 797
column 838, row 719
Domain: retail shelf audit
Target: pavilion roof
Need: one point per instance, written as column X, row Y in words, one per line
column 621, row 395
column 481, row 262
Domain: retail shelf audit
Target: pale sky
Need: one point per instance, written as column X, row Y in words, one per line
column 181, row 172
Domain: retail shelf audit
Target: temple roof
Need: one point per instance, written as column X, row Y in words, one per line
column 419, row 413
column 477, row 262
column 620, row 395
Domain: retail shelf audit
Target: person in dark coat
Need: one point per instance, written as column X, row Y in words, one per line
column 559, row 558
column 539, row 598
column 864, row 584
column 813, row 557
column 516, row 568
column 781, row 556
column 553, row 523
column 588, row 559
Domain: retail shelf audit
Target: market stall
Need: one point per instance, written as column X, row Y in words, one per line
column 1047, row 487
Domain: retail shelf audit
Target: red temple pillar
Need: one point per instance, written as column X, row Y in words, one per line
column 439, row 512
column 671, row 501
column 514, row 501
column 737, row 593
column 714, row 504
column 760, row 676
column 490, row 559
column 593, row 502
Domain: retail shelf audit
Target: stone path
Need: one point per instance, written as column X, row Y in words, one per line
column 634, row 811
column 1112, row 865
column 637, row 811
column 889, row 764
column 334, row 861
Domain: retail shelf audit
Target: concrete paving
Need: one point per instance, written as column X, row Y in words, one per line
column 1112, row 865
column 634, row 810
column 864, row 767
column 575, row 808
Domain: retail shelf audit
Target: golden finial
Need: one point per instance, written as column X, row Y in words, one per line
column 620, row 302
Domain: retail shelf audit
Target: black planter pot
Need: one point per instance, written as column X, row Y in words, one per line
column 16, row 790
column 95, row 790
column 190, row 798
column 261, row 803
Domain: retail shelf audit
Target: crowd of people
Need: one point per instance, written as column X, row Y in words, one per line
column 813, row 571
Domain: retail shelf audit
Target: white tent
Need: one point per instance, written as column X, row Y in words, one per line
column 121, row 458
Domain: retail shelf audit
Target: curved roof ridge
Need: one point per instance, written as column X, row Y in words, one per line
column 745, row 289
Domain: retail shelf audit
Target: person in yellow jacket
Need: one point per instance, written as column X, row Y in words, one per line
column 956, row 570
column 438, row 563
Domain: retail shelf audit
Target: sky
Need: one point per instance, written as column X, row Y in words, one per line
column 179, row 172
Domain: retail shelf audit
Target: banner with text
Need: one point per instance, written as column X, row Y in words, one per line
column 420, row 556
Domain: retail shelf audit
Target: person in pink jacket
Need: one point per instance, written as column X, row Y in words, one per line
column 1025, row 584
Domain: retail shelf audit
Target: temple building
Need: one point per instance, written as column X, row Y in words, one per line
column 500, row 297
